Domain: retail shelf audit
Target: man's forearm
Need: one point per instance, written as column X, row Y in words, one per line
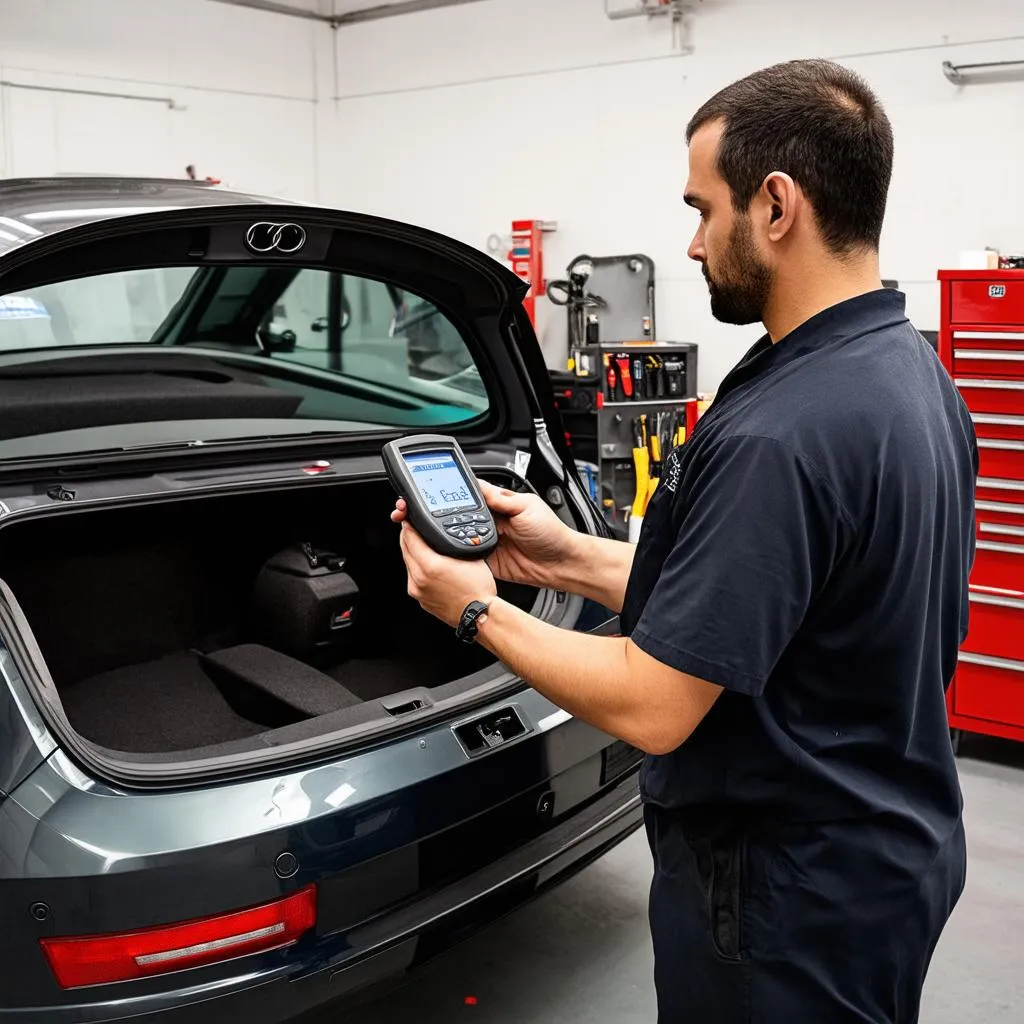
column 585, row 675
column 598, row 569
column 607, row 682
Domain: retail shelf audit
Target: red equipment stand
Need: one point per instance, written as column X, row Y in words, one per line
column 527, row 259
column 981, row 344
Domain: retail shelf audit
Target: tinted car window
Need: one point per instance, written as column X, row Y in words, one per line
column 396, row 358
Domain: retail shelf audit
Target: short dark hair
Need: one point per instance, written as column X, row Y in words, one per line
column 818, row 122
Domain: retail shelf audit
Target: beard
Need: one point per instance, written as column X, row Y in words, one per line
column 741, row 283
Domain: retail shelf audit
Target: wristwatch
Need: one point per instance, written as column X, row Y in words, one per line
column 467, row 628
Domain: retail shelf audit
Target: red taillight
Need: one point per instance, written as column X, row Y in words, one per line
column 98, row 959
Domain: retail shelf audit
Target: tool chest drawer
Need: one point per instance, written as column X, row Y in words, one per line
column 992, row 299
column 998, row 425
column 997, row 623
column 990, row 688
column 992, row 395
column 1001, row 457
column 991, row 353
column 998, row 561
column 989, row 513
column 1000, row 488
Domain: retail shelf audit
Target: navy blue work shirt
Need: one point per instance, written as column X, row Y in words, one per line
column 808, row 550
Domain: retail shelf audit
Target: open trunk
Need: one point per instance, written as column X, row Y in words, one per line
column 225, row 624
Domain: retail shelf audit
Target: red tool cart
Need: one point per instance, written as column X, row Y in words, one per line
column 981, row 343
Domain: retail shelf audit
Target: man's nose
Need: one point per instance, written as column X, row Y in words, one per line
column 696, row 249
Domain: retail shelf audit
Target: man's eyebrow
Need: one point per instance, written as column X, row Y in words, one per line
column 692, row 199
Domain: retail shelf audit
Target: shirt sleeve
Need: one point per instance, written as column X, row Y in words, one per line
column 759, row 533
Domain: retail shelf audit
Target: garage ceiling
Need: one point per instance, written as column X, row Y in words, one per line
column 345, row 12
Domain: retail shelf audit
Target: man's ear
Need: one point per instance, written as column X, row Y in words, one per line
column 779, row 197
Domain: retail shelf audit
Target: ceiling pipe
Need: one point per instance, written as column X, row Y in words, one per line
column 274, row 7
column 957, row 73
column 643, row 8
column 390, row 10
column 394, row 9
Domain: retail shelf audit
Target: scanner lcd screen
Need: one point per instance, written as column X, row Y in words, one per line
column 440, row 481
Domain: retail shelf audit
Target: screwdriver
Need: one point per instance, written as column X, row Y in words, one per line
column 655, row 450
column 641, row 464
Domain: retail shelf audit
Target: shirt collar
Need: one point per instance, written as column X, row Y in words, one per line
column 863, row 314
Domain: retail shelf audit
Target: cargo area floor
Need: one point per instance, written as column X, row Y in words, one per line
column 168, row 704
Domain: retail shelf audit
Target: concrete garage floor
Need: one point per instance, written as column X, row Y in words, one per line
column 582, row 952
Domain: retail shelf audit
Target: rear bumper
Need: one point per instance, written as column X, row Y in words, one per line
column 321, row 972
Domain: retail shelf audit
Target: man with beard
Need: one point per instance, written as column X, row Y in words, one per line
column 792, row 612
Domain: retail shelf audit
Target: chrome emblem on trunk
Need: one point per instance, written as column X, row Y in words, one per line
column 269, row 237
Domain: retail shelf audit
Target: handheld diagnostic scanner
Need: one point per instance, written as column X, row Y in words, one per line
column 443, row 501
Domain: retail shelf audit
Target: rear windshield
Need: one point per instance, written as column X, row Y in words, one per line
column 206, row 354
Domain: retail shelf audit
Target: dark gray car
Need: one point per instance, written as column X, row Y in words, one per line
column 242, row 774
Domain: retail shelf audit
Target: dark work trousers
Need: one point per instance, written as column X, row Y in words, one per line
column 811, row 926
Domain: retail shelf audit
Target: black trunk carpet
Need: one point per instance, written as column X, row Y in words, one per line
column 374, row 678
column 168, row 704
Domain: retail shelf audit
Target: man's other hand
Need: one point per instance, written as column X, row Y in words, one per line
column 532, row 541
column 443, row 586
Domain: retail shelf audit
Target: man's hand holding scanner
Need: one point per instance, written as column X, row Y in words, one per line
column 608, row 682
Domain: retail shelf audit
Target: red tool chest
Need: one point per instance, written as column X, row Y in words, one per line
column 981, row 343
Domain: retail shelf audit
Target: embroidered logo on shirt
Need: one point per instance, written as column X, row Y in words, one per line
column 671, row 471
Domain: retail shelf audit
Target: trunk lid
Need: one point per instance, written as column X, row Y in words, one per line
column 169, row 319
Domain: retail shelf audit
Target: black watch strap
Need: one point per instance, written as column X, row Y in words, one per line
column 467, row 628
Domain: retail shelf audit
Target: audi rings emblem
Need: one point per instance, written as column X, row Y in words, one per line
column 269, row 237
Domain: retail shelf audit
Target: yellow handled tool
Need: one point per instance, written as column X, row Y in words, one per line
column 654, row 442
column 642, row 467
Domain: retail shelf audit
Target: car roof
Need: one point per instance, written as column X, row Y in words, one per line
column 32, row 208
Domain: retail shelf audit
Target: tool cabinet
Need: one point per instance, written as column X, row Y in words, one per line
column 598, row 412
column 981, row 343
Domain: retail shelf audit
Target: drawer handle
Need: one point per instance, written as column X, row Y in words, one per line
column 1007, row 549
column 1001, row 602
column 988, row 383
column 997, row 421
column 1009, row 531
column 999, row 506
column 989, row 662
column 990, row 335
column 1004, row 446
column 995, row 354
column 997, row 483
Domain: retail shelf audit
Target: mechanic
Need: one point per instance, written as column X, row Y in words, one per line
column 792, row 612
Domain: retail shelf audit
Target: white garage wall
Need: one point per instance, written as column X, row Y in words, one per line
column 227, row 89
column 468, row 117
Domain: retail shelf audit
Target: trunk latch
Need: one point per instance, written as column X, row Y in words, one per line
column 60, row 493
column 490, row 731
